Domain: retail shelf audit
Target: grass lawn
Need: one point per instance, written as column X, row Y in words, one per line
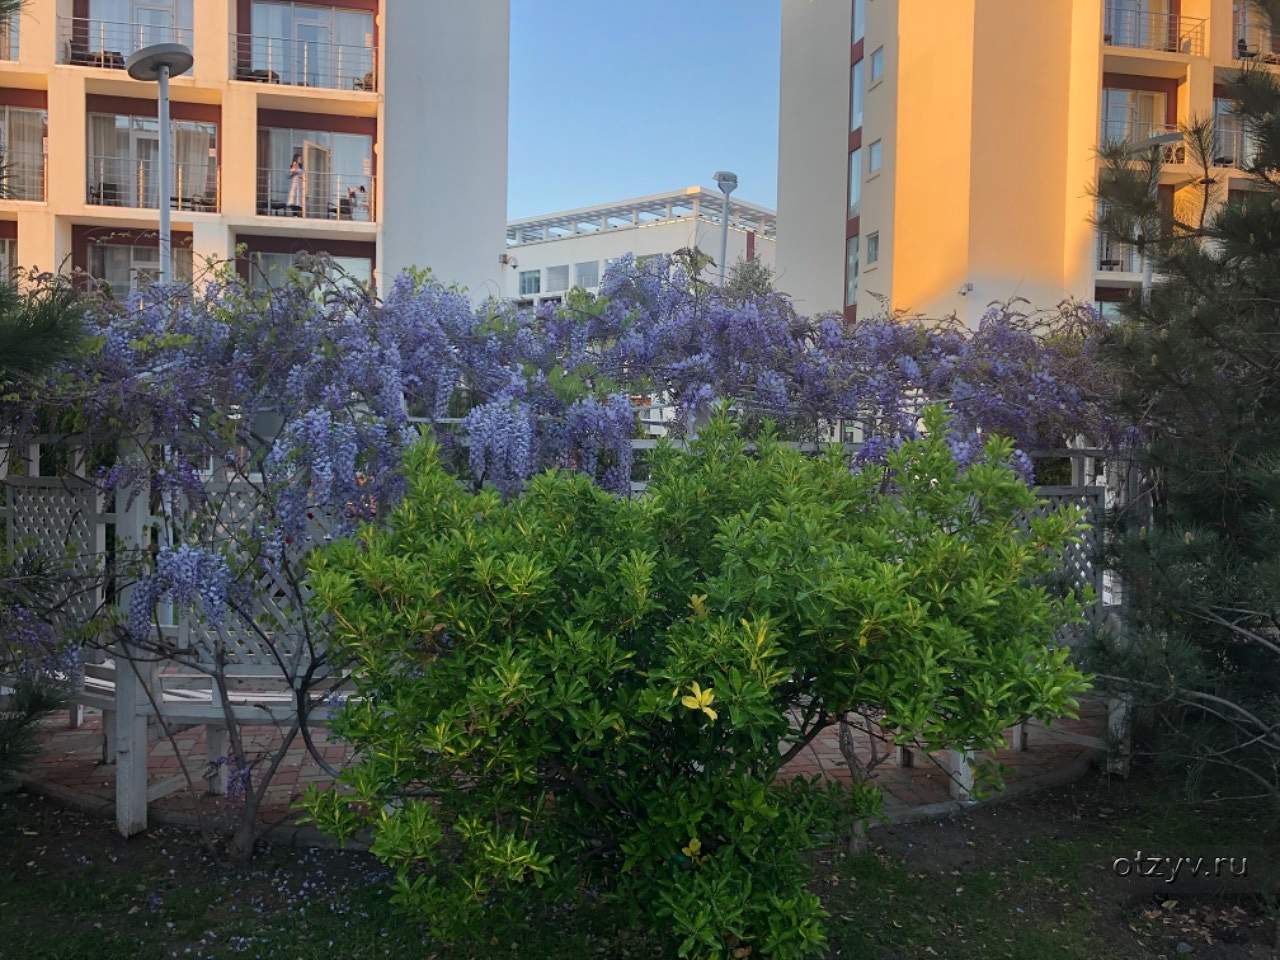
column 1031, row 879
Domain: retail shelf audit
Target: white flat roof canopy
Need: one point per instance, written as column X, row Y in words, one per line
column 696, row 202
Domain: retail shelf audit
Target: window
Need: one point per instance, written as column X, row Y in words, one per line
column 127, row 268
column 877, row 65
column 9, row 37
column 9, row 258
column 587, row 275
column 1234, row 145
column 856, row 95
column 307, row 45
column 332, row 179
column 1132, row 115
column 22, row 137
column 124, row 152
column 557, row 278
column 270, row 270
column 873, row 248
column 530, row 282
column 875, row 156
column 851, row 272
column 117, row 28
column 859, row 19
column 855, row 182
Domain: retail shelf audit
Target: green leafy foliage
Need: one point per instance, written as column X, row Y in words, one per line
column 571, row 695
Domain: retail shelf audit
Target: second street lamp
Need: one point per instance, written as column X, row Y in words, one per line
column 727, row 182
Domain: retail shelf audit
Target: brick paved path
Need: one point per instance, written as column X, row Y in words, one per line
column 70, row 765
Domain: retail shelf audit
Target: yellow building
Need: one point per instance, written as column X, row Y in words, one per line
column 371, row 130
column 937, row 155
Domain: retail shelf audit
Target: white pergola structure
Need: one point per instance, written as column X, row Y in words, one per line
column 692, row 202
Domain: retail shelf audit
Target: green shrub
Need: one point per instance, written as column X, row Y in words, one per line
column 571, row 695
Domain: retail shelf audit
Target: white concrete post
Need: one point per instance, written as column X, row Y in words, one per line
column 1119, row 734
column 131, row 696
column 1018, row 737
column 215, row 739
column 960, row 766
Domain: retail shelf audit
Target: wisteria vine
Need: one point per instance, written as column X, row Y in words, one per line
column 310, row 402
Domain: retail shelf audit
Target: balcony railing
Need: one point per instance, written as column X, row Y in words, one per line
column 23, row 172
column 1128, row 26
column 303, row 63
column 1135, row 133
column 1233, row 145
column 1115, row 257
column 130, row 182
column 317, row 196
column 1256, row 43
column 104, row 43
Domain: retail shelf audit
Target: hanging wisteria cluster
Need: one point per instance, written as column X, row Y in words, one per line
column 309, row 401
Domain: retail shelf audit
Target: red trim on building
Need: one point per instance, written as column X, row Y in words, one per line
column 1111, row 294
column 855, row 139
column 856, row 51
column 83, row 235
column 852, row 227
column 33, row 99
column 138, row 107
column 8, row 229
column 851, row 314
column 751, row 244
column 1132, row 81
column 329, row 122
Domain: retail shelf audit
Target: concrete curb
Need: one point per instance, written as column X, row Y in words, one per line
column 1057, row 777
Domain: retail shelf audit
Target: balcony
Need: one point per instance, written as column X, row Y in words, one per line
column 1257, row 44
column 1233, row 145
column 1128, row 26
column 134, row 182
column 87, row 42
column 1136, row 132
column 1114, row 257
column 317, row 196
column 304, row 63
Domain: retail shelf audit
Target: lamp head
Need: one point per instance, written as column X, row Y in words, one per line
column 146, row 63
column 726, row 181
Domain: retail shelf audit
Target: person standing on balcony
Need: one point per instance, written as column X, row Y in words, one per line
column 296, row 175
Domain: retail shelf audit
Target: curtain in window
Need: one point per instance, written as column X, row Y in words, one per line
column 194, row 174
column 23, row 150
column 109, row 174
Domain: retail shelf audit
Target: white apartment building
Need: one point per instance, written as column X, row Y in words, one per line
column 549, row 255
column 394, row 110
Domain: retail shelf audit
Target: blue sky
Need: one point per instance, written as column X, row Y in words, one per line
column 611, row 99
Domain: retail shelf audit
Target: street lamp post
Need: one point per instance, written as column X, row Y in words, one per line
column 727, row 182
column 157, row 63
